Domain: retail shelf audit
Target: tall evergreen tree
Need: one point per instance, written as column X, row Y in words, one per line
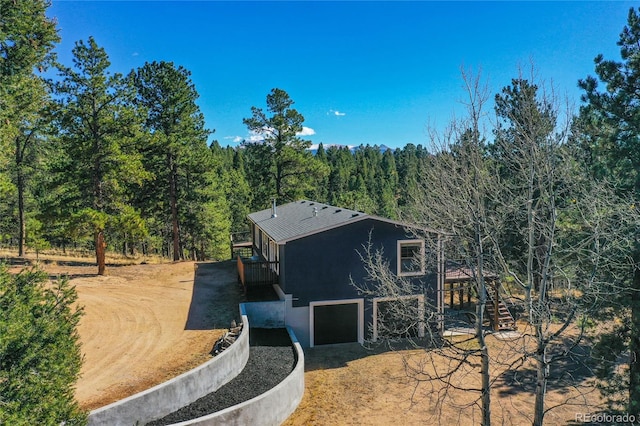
column 279, row 165
column 612, row 116
column 177, row 130
column 342, row 166
column 321, row 190
column 99, row 133
column 238, row 193
column 27, row 37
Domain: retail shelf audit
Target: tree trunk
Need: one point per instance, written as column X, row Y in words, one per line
column 173, row 200
column 486, row 387
column 482, row 302
column 484, row 353
column 101, row 247
column 22, row 227
column 125, row 245
column 541, row 382
column 634, row 345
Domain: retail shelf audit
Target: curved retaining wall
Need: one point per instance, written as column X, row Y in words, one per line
column 271, row 408
column 169, row 396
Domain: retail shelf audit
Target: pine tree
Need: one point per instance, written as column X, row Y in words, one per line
column 279, row 165
column 99, row 133
column 176, row 126
column 27, row 37
column 612, row 117
column 40, row 356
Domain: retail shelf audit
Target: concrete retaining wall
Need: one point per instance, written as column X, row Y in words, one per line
column 271, row 408
column 169, row 396
column 265, row 314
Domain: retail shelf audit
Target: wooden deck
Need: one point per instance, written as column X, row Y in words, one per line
column 254, row 274
column 241, row 244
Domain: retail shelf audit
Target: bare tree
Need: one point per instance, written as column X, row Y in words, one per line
column 569, row 229
column 452, row 196
column 522, row 209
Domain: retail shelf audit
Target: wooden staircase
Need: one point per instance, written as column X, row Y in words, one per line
column 502, row 317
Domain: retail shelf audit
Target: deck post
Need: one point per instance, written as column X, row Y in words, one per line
column 496, row 306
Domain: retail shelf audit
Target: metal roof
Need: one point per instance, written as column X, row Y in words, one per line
column 456, row 273
column 301, row 218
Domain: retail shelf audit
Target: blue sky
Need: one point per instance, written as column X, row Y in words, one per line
column 359, row 72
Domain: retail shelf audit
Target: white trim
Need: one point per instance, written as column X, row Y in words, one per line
column 441, row 278
column 422, row 254
column 360, row 303
column 279, row 292
column 420, row 298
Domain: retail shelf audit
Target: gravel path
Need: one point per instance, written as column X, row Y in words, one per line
column 267, row 366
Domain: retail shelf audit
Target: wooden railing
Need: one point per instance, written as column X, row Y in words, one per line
column 240, row 237
column 255, row 273
column 240, row 244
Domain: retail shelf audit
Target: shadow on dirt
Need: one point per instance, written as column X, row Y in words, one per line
column 340, row 355
column 565, row 372
column 216, row 297
column 27, row 263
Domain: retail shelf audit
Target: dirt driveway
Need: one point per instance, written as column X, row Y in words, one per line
column 144, row 324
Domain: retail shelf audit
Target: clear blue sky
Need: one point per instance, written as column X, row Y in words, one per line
column 359, row 72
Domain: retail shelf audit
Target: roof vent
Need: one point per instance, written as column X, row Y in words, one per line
column 274, row 213
column 338, row 211
column 315, row 211
column 355, row 214
column 325, row 207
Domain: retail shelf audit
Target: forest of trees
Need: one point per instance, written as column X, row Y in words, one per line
column 122, row 163
column 101, row 161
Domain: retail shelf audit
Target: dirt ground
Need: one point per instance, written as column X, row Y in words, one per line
column 144, row 324
column 351, row 385
column 134, row 332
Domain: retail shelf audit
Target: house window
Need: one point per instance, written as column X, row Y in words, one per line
column 410, row 257
column 256, row 237
column 265, row 245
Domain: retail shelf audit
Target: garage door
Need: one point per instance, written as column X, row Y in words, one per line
column 335, row 323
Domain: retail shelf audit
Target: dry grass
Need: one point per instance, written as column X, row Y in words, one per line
column 74, row 257
column 351, row 385
column 345, row 384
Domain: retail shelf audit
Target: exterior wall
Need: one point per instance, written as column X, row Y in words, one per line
column 265, row 314
column 320, row 267
column 282, row 272
column 298, row 320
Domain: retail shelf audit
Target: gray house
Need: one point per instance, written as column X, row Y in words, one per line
column 309, row 253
